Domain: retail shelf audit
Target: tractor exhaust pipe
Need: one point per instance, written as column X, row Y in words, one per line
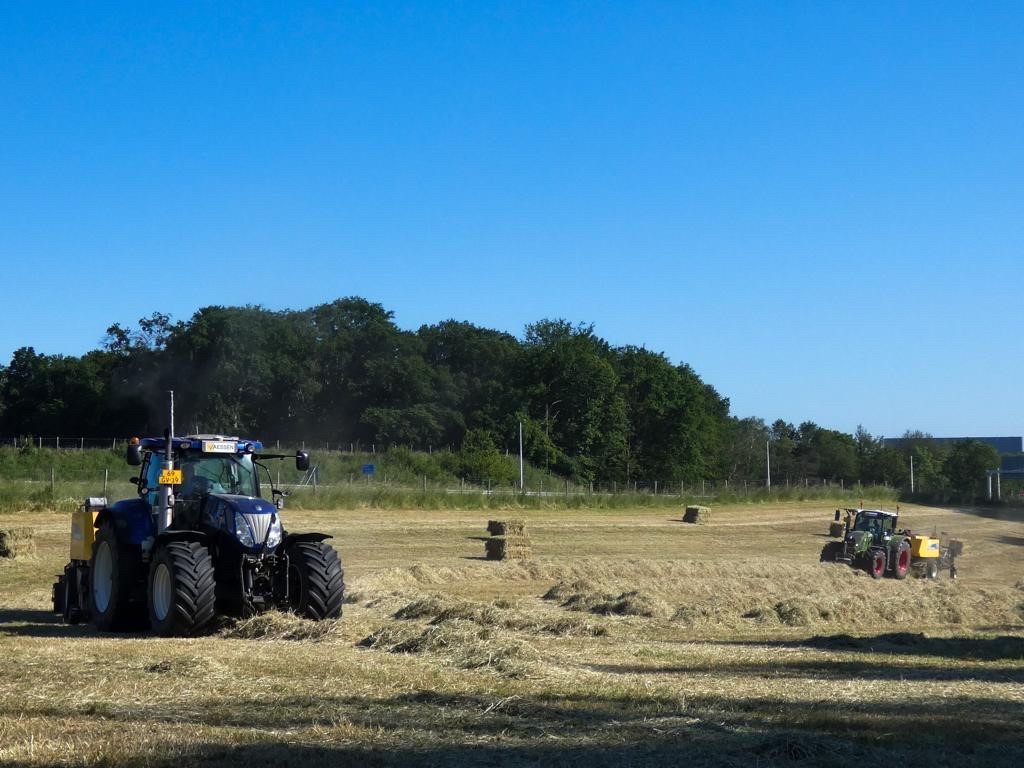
column 165, row 509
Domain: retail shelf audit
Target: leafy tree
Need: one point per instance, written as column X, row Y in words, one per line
column 676, row 422
column 744, row 442
column 966, row 464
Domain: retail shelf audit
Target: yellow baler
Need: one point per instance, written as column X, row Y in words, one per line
column 83, row 532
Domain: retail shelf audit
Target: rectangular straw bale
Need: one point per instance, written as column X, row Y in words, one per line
column 835, row 530
column 508, row 548
column 956, row 547
column 697, row 515
column 506, row 527
column 17, row 542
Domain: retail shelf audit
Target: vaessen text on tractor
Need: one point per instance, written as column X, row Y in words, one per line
column 871, row 540
column 198, row 541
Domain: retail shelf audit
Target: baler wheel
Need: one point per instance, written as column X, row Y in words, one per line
column 316, row 580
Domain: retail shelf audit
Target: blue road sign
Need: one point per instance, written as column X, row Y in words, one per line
column 369, row 469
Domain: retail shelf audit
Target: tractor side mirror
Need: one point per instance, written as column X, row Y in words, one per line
column 133, row 480
column 134, row 455
column 301, row 461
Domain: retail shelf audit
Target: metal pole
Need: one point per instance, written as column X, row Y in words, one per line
column 768, row 458
column 911, row 473
column 521, row 487
column 106, row 477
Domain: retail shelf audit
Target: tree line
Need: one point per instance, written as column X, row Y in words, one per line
column 344, row 373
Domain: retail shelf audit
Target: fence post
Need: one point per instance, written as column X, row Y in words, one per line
column 58, row 443
column 567, row 488
column 53, row 480
column 655, row 487
column 424, row 482
column 81, row 443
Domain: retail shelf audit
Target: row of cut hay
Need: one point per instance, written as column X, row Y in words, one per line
column 793, row 596
column 274, row 625
column 17, row 542
column 463, row 643
column 499, row 614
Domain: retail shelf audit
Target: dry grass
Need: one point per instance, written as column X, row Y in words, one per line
column 705, row 645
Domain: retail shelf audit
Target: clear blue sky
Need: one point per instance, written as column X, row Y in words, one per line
column 818, row 205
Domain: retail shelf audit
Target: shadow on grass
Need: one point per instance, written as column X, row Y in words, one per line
column 28, row 622
column 1002, row 647
column 1014, row 541
column 440, row 728
column 852, row 670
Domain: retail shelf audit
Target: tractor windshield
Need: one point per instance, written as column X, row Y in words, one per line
column 874, row 525
column 206, row 473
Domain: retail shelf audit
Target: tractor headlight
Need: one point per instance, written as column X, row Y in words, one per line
column 242, row 531
column 275, row 534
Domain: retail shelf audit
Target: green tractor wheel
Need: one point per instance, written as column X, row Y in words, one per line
column 876, row 563
column 831, row 551
column 902, row 565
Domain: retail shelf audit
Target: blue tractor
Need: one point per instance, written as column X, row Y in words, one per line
column 199, row 540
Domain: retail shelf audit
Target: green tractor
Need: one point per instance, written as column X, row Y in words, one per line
column 873, row 542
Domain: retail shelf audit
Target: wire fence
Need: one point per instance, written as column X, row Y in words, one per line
column 115, row 480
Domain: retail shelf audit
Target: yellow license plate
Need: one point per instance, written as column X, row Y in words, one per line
column 170, row 477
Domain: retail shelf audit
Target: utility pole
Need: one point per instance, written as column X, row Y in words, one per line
column 768, row 458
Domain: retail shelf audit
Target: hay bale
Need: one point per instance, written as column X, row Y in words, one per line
column 506, row 527
column 836, row 530
column 956, row 547
column 697, row 515
column 17, row 542
column 508, row 548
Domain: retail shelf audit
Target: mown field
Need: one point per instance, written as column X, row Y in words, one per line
column 629, row 639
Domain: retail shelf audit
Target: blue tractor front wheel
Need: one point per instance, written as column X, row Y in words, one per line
column 181, row 589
